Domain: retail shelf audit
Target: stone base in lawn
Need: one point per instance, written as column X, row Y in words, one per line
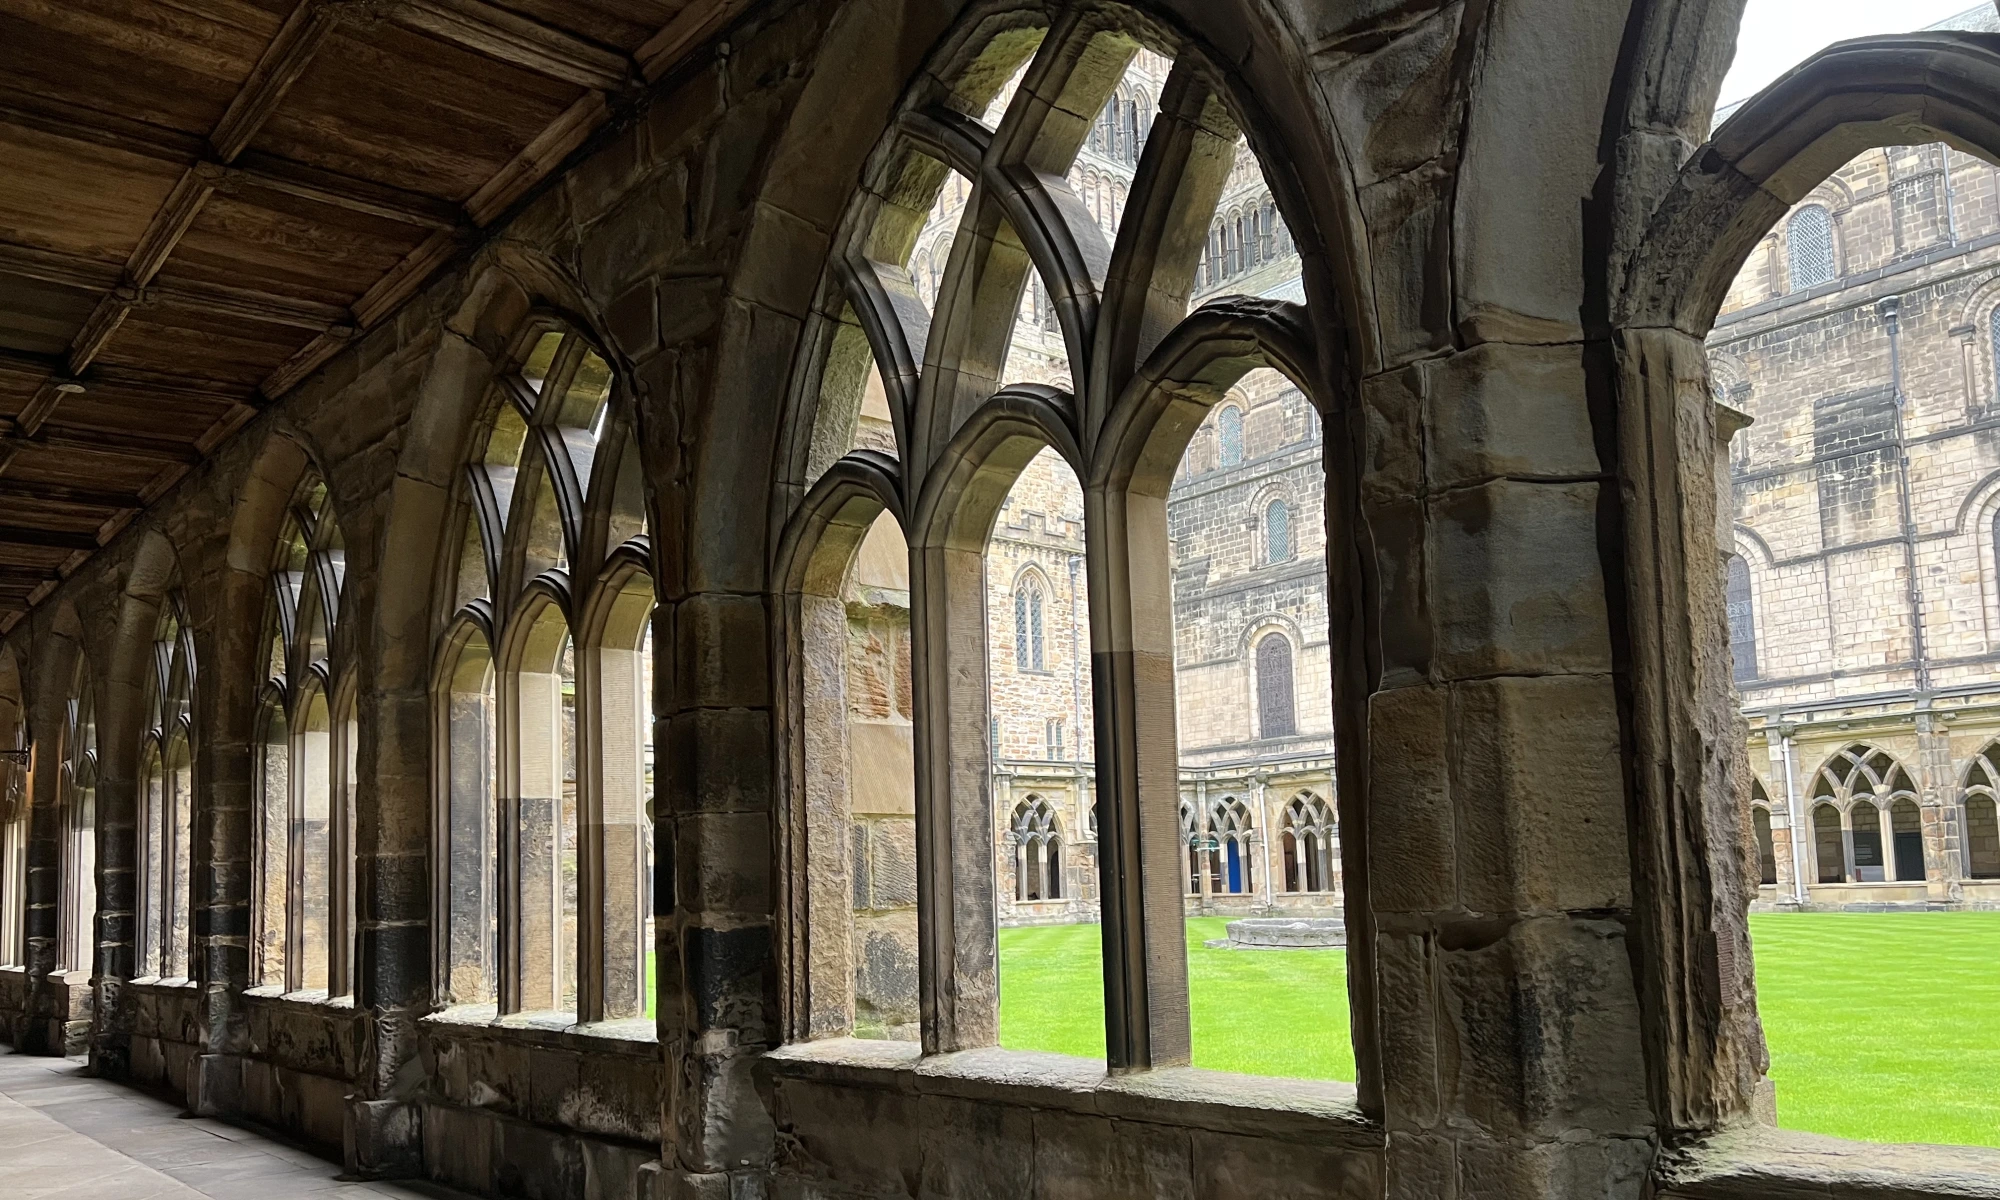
column 1282, row 933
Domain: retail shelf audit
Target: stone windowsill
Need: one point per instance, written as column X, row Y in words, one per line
column 305, row 999
column 158, row 983
column 1323, row 1112
column 638, row 1037
column 1760, row 1163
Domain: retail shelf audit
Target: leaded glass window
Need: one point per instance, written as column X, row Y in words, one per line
column 1276, row 704
column 1809, row 239
column 1230, row 430
column 1278, row 532
column 1742, row 620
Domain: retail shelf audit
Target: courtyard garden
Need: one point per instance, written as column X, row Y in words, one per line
column 1882, row 1026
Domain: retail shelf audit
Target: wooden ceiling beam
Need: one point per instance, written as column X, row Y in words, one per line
column 518, row 41
column 254, row 170
column 257, row 170
column 280, row 66
column 159, row 451
column 694, row 25
column 46, row 539
column 56, row 493
column 55, row 266
column 251, row 304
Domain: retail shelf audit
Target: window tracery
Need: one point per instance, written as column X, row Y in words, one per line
column 302, row 918
column 977, row 401
column 1038, row 857
column 78, row 906
column 1309, row 841
column 166, row 820
column 1865, row 819
column 542, row 694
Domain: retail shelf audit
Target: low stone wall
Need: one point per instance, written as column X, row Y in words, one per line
column 151, row 1035
column 547, row 1112
column 866, row 1119
column 13, row 1004
column 1971, row 895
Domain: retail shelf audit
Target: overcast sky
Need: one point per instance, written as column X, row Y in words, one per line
column 1780, row 34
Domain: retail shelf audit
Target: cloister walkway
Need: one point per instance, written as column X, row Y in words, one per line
column 67, row 1136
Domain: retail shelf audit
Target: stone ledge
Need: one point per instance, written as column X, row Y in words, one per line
column 1325, row 1113
column 1773, row 1164
column 637, row 1038
column 314, row 1001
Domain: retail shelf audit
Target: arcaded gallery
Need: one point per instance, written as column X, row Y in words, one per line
column 1000, row 599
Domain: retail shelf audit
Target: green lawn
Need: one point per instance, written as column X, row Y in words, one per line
column 1262, row 1012
column 1883, row 1026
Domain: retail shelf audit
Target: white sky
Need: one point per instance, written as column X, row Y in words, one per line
column 1780, row 34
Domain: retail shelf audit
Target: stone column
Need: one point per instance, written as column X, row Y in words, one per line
column 1512, row 1057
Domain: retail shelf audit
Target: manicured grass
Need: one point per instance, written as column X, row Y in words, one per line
column 1261, row 1012
column 1883, row 1026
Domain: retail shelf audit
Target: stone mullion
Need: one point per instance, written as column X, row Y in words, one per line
column 1140, row 843
column 958, row 970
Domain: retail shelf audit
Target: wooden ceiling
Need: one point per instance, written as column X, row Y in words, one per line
column 202, row 201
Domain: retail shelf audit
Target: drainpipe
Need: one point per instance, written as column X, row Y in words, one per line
column 1890, row 310
column 1796, row 808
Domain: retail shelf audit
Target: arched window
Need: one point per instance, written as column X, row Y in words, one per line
column 1030, row 647
column 167, row 800
column 1767, row 855
column 1993, row 340
column 1809, row 245
column 1277, row 532
column 1229, row 433
column 1026, row 532
column 1276, row 700
column 76, row 949
column 1882, row 840
column 1742, row 621
column 542, row 700
column 302, row 913
column 1980, row 801
column 1267, row 231
column 1038, row 871
column 1229, row 848
column 1309, row 845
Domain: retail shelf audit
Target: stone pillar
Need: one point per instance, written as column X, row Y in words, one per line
column 1512, row 1057
column 44, row 1029
column 1941, row 809
column 716, row 1013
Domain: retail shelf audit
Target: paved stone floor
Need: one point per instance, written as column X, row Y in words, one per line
column 67, row 1136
